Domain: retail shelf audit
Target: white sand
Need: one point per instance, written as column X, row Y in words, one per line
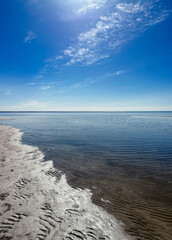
column 37, row 203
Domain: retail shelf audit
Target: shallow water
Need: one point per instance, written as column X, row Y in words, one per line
column 124, row 158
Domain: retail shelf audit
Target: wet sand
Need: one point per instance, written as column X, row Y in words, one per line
column 37, row 203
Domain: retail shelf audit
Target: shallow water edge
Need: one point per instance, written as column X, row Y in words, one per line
column 38, row 203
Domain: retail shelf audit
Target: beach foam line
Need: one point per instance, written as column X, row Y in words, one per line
column 37, row 203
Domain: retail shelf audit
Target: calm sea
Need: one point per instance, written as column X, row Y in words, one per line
column 125, row 158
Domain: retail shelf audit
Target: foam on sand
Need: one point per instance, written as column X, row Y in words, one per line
column 37, row 203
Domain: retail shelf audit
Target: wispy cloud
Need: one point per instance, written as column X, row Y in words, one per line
column 113, row 30
column 7, row 92
column 120, row 72
column 33, row 105
column 44, row 88
column 91, row 81
column 31, row 83
column 38, row 76
column 117, row 73
column 114, row 26
column 87, row 55
column 29, row 37
column 91, row 5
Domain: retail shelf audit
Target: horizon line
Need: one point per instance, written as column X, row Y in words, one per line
column 89, row 111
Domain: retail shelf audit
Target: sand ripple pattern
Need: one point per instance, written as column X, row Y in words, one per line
column 36, row 202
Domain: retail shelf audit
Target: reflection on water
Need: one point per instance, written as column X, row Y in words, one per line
column 122, row 158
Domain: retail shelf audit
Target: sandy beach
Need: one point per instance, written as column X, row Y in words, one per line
column 36, row 201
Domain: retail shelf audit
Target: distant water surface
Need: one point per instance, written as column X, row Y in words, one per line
column 125, row 158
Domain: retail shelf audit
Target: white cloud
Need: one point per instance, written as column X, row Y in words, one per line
column 129, row 7
column 83, row 54
column 31, row 83
column 91, row 5
column 29, row 37
column 69, row 51
column 121, row 24
column 109, row 29
column 117, row 73
column 59, row 57
column 44, row 88
column 120, row 72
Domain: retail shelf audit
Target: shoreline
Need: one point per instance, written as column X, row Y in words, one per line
column 38, row 203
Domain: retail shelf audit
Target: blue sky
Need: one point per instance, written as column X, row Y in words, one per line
column 86, row 55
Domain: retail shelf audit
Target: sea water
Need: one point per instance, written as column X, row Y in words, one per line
column 141, row 139
column 125, row 158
